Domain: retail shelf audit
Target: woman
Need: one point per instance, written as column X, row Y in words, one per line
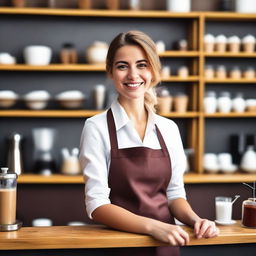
column 133, row 159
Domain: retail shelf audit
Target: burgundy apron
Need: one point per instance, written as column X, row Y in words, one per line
column 138, row 179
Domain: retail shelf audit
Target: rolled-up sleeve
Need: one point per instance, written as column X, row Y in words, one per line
column 178, row 159
column 93, row 159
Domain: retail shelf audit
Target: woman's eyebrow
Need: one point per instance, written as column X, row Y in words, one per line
column 125, row 62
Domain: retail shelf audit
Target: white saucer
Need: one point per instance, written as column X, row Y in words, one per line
column 225, row 223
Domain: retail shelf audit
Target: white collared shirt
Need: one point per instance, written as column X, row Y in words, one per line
column 95, row 152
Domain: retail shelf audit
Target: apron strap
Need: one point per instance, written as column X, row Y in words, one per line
column 112, row 130
column 161, row 141
column 113, row 136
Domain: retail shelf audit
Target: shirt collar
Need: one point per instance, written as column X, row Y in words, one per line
column 121, row 118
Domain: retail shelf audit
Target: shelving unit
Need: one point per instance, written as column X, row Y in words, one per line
column 190, row 178
column 195, row 83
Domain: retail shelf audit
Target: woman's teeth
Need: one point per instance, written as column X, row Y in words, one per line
column 133, row 85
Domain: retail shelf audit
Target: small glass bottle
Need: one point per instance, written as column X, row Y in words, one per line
column 249, row 213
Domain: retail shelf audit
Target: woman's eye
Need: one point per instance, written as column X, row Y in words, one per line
column 142, row 65
column 121, row 67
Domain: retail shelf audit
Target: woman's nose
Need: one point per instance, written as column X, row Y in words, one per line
column 133, row 73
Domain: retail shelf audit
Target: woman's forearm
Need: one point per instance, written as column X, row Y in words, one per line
column 119, row 218
column 182, row 211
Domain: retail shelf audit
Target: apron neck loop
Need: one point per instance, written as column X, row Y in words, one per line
column 112, row 130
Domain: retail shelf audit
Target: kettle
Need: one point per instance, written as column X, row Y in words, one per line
column 14, row 158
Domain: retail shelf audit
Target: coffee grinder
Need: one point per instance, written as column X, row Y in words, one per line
column 43, row 141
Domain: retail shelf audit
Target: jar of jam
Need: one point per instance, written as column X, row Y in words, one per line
column 249, row 213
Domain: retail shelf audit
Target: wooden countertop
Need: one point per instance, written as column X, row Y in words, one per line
column 95, row 236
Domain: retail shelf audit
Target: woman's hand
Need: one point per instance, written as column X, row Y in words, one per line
column 171, row 234
column 205, row 228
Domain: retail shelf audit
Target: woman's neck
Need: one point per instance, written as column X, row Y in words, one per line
column 135, row 110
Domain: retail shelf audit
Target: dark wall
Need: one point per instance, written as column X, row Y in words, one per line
column 65, row 203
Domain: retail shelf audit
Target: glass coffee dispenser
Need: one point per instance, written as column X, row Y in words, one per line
column 43, row 152
column 8, row 192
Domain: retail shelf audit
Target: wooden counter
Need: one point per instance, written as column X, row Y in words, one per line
column 93, row 236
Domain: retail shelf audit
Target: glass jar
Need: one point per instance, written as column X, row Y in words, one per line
column 8, row 185
column 249, row 213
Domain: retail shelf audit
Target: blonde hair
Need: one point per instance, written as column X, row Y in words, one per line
column 142, row 40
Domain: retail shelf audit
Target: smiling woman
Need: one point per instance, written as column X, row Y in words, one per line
column 133, row 159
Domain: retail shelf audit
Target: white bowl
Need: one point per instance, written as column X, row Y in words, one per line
column 7, row 59
column 37, row 55
column 229, row 169
column 37, row 99
column 71, row 99
column 7, row 98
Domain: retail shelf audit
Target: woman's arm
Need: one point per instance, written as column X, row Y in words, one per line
column 181, row 210
column 121, row 219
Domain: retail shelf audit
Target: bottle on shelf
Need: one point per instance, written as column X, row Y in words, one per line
column 210, row 102
column 224, row 102
column 249, row 73
column 209, row 72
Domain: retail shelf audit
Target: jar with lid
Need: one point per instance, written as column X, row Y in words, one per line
column 183, row 72
column 224, row 102
column 221, row 72
column 238, row 103
column 8, row 188
column 68, row 54
column 209, row 72
column 249, row 73
column 235, row 73
column 249, row 213
column 210, row 102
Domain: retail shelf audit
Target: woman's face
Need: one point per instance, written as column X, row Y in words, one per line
column 131, row 72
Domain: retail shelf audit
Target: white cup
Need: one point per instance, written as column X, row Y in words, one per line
column 37, row 55
column 225, row 160
column 223, row 207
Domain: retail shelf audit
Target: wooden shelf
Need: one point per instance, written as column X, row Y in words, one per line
column 225, row 16
column 53, row 67
column 195, row 178
column 189, row 178
column 76, row 113
column 231, row 81
column 181, row 115
column 98, row 13
column 181, row 79
column 179, row 54
column 49, row 113
column 231, row 115
column 230, row 55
